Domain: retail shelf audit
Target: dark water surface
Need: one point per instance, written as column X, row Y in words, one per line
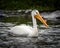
column 48, row 38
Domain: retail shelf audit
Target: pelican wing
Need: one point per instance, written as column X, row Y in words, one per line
column 22, row 30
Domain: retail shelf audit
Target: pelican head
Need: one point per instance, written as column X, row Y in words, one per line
column 35, row 14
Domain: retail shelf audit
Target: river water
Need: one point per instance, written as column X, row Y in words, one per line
column 48, row 38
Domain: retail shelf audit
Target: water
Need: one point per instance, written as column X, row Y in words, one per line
column 48, row 38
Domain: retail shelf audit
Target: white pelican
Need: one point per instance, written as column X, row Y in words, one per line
column 28, row 30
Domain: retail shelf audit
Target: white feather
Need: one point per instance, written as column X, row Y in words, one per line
column 24, row 30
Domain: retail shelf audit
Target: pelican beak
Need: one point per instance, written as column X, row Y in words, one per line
column 39, row 17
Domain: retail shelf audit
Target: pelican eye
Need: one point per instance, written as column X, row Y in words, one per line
column 36, row 13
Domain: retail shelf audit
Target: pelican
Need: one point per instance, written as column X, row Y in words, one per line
column 28, row 30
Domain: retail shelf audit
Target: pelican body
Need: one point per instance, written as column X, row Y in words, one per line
column 28, row 30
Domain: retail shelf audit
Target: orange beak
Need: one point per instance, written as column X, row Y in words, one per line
column 39, row 17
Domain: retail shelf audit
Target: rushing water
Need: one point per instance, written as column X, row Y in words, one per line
column 48, row 38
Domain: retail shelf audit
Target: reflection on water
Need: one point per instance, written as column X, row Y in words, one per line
column 48, row 38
